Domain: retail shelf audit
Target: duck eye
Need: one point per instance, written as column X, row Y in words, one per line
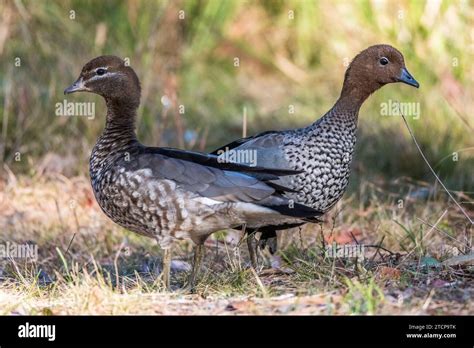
column 383, row 61
column 100, row 71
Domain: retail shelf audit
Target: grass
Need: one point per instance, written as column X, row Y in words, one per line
column 107, row 270
column 291, row 56
column 287, row 61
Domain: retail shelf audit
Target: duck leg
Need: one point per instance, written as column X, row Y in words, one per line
column 252, row 246
column 268, row 238
column 198, row 254
column 167, row 268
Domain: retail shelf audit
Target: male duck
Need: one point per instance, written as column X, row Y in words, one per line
column 323, row 151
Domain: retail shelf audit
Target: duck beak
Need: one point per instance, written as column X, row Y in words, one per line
column 406, row 77
column 77, row 86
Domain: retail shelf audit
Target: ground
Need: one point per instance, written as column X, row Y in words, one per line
column 414, row 240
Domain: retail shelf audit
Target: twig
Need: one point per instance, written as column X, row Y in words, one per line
column 426, row 304
column 432, row 171
column 426, row 235
column 117, row 255
column 440, row 230
column 378, row 246
column 300, row 237
column 58, row 210
column 244, row 123
column 354, row 238
column 259, row 282
column 70, row 243
column 323, row 241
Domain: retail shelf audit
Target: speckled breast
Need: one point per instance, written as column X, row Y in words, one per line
column 325, row 155
column 138, row 205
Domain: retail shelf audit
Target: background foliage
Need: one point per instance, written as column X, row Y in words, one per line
column 290, row 53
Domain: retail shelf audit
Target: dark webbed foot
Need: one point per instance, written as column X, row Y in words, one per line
column 268, row 238
column 198, row 255
column 271, row 242
column 253, row 252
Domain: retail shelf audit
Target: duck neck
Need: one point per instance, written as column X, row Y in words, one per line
column 347, row 107
column 120, row 122
column 117, row 138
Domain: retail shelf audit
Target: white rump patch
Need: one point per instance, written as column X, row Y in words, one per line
column 207, row 201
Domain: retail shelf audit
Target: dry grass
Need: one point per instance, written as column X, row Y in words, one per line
column 88, row 265
column 285, row 64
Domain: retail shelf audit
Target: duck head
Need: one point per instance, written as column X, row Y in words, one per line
column 373, row 68
column 109, row 77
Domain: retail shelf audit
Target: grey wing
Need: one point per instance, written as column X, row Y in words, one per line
column 268, row 149
column 222, row 185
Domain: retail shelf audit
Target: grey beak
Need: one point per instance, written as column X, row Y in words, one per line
column 406, row 77
column 77, row 86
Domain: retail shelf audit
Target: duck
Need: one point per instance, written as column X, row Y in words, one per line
column 323, row 151
column 171, row 194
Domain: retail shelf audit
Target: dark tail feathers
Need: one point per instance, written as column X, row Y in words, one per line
column 296, row 210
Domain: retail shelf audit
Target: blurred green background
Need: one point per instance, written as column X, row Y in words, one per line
column 290, row 54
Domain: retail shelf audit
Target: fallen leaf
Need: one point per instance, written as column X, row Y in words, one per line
column 429, row 262
column 439, row 283
column 460, row 260
column 389, row 273
column 344, row 236
column 239, row 305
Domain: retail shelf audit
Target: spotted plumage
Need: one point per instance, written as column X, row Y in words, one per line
column 168, row 198
column 323, row 151
column 170, row 194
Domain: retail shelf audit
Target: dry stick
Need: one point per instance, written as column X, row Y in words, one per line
column 77, row 231
column 426, row 235
column 259, row 282
column 300, row 236
column 70, row 243
column 354, row 238
column 323, row 242
column 440, row 230
column 432, row 171
column 244, row 123
column 61, row 221
column 380, row 247
column 117, row 255
column 5, row 118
